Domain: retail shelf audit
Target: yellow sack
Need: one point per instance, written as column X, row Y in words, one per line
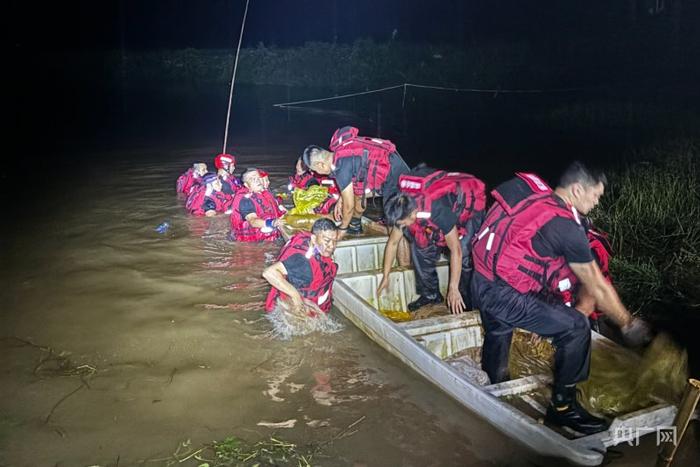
column 305, row 201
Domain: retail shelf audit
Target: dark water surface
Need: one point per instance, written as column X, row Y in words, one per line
column 164, row 334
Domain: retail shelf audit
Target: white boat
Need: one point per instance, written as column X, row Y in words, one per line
column 424, row 345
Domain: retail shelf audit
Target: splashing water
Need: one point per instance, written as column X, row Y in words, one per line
column 287, row 323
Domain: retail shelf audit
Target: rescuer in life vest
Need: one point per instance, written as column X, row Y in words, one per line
column 255, row 213
column 436, row 210
column 192, row 176
column 531, row 245
column 225, row 165
column 304, row 271
column 362, row 167
column 208, row 199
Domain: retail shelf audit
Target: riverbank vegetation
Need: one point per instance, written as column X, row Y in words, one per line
column 652, row 213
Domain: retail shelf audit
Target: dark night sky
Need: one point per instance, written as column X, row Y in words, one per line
column 82, row 24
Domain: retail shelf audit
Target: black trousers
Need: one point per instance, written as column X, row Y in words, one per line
column 503, row 308
column 425, row 259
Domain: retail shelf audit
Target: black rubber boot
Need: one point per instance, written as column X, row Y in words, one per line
column 422, row 301
column 564, row 410
column 355, row 226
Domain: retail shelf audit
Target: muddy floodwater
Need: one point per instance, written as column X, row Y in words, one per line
column 119, row 343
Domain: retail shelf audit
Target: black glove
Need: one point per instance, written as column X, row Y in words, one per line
column 637, row 333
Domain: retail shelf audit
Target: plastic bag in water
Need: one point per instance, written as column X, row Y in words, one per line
column 162, row 227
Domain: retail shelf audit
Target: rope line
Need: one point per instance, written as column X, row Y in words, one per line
column 344, row 96
column 405, row 86
column 233, row 78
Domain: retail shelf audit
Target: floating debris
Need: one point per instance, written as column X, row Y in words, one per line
column 287, row 424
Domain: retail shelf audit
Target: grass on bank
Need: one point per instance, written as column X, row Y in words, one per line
column 652, row 213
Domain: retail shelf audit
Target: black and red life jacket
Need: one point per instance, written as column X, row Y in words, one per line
column 302, row 181
column 198, row 197
column 468, row 194
column 186, row 181
column 230, row 184
column 323, row 271
column 266, row 207
column 503, row 247
column 375, row 153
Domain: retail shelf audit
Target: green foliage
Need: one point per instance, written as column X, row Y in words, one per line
column 652, row 213
column 235, row 452
column 360, row 65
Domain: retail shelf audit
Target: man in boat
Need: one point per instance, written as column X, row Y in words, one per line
column 208, row 199
column 532, row 246
column 304, row 271
column 255, row 213
column 362, row 167
column 436, row 210
column 225, row 165
column 191, row 177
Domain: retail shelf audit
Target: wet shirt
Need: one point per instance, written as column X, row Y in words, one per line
column 347, row 168
column 441, row 213
column 246, row 207
column 563, row 237
column 298, row 270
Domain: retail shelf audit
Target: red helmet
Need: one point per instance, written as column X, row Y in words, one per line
column 223, row 160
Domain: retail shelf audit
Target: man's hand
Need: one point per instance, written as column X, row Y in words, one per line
column 455, row 302
column 338, row 210
column 384, row 284
column 636, row 333
column 297, row 303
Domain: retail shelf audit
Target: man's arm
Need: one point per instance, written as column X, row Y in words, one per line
column 454, row 298
column 276, row 275
column 392, row 246
column 601, row 292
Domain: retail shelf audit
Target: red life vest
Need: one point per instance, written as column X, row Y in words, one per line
column 186, row 181
column 232, row 183
column 375, row 153
column 197, row 198
column 301, row 181
column 323, row 271
column 503, row 248
column 266, row 207
column 469, row 197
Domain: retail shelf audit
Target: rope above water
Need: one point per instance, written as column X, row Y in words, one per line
column 233, row 78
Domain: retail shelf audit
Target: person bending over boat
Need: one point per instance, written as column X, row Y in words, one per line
column 532, row 246
column 362, row 167
column 304, row 271
column 435, row 210
column 192, row 176
column 207, row 199
column 225, row 165
column 255, row 213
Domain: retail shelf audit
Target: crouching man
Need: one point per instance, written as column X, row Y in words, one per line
column 304, row 271
column 532, row 246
